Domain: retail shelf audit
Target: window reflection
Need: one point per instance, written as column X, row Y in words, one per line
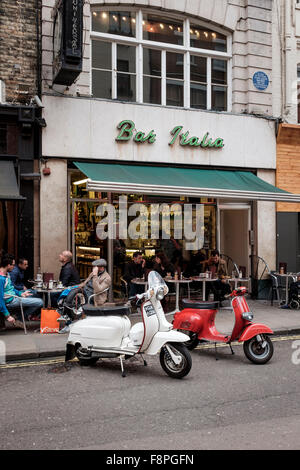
column 152, row 76
column 204, row 38
column 122, row 23
column 157, row 28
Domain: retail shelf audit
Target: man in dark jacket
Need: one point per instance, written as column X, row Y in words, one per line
column 69, row 275
column 17, row 274
column 135, row 269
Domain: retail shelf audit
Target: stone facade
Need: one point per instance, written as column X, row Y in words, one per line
column 250, row 22
column 19, row 26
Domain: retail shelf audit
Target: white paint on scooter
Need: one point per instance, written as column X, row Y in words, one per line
column 100, row 336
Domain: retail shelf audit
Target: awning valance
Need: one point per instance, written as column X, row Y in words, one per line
column 194, row 182
column 9, row 189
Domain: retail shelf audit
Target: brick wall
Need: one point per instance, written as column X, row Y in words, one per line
column 19, row 48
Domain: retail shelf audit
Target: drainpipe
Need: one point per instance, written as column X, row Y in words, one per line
column 289, row 63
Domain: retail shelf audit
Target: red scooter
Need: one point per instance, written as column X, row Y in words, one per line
column 197, row 319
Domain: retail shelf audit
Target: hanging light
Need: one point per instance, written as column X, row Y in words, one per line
column 104, row 15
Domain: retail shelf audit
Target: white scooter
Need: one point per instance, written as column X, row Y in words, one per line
column 106, row 332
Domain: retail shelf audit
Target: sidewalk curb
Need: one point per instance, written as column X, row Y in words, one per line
column 15, row 356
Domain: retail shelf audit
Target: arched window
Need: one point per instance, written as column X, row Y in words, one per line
column 144, row 57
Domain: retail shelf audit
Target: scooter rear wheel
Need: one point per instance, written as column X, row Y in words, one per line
column 255, row 352
column 84, row 359
column 192, row 343
column 177, row 371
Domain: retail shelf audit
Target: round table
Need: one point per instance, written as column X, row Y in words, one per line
column 204, row 280
column 177, row 283
column 140, row 282
column 49, row 292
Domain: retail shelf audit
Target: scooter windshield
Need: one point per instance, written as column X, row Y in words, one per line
column 155, row 280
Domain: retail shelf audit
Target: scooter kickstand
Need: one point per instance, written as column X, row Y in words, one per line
column 232, row 351
column 216, row 352
column 122, row 367
column 145, row 362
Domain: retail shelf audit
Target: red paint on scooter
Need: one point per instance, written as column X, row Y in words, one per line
column 202, row 321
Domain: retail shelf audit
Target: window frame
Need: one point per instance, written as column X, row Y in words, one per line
column 185, row 49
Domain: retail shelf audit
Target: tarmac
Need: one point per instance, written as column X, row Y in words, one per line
column 16, row 346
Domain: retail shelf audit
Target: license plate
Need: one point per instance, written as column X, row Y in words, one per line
column 149, row 309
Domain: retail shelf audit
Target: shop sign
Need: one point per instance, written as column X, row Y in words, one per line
column 128, row 132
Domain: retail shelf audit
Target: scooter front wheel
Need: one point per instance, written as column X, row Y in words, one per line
column 259, row 351
column 172, row 368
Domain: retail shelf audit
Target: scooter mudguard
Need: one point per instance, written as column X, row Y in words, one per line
column 163, row 337
column 253, row 330
column 188, row 319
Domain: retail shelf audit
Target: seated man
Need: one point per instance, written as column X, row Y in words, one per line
column 135, row 269
column 96, row 283
column 8, row 302
column 69, row 275
column 218, row 268
column 17, row 274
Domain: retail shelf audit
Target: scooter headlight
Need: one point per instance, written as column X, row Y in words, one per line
column 247, row 316
column 160, row 293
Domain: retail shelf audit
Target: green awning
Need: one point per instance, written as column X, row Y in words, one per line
column 195, row 182
column 9, row 189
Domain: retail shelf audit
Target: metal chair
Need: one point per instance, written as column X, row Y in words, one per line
column 276, row 288
column 21, row 308
column 231, row 265
column 259, row 269
column 124, row 285
column 93, row 295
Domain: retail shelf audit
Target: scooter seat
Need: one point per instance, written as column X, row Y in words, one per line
column 200, row 304
column 94, row 311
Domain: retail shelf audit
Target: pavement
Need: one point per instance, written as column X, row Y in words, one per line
column 16, row 346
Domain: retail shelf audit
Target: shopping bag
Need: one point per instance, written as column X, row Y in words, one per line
column 49, row 323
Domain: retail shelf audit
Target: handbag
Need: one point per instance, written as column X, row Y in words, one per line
column 49, row 323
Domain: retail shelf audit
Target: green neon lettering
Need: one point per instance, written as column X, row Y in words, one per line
column 175, row 132
column 127, row 128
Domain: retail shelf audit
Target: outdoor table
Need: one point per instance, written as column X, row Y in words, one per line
column 204, row 280
column 287, row 276
column 140, row 282
column 49, row 292
column 236, row 280
column 177, row 283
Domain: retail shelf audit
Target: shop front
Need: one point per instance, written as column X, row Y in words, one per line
column 179, row 181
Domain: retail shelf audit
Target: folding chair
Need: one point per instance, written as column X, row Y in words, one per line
column 21, row 308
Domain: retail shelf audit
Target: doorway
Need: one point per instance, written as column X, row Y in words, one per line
column 235, row 224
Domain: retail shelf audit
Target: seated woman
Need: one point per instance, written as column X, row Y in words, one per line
column 162, row 265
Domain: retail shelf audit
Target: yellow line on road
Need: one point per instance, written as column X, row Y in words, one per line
column 60, row 360
column 48, row 362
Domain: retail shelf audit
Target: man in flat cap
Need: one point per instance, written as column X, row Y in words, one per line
column 97, row 282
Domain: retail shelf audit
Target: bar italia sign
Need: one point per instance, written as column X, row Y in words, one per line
column 128, row 131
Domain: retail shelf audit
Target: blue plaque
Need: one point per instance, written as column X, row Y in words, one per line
column 261, row 81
